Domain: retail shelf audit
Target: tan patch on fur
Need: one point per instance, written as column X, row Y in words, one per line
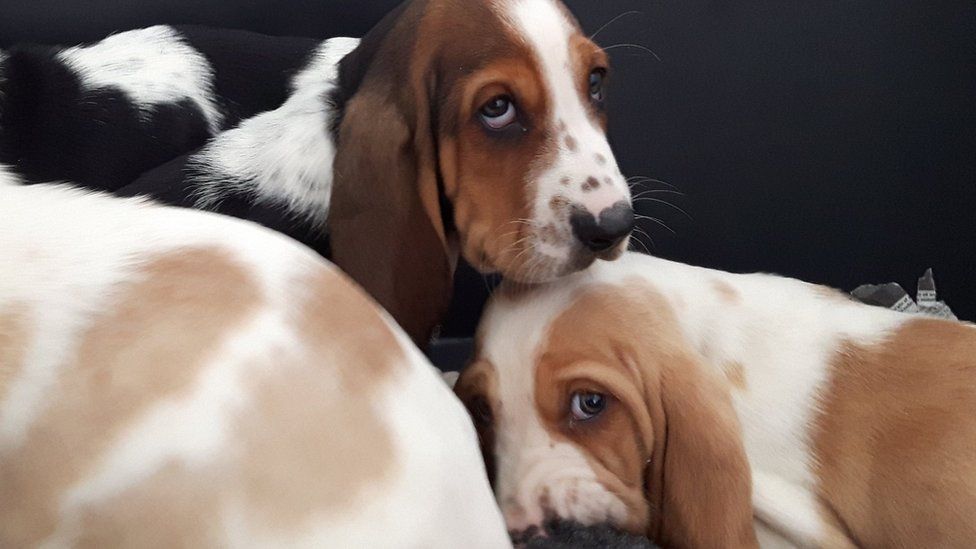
column 558, row 204
column 736, row 374
column 549, row 234
column 477, row 388
column 830, row 293
column 591, row 184
column 565, row 181
column 600, row 159
column 726, row 292
column 896, row 443
column 308, row 443
column 571, row 143
column 671, row 423
column 127, row 360
column 14, row 340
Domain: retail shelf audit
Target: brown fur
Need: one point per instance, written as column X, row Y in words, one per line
column 667, row 445
column 411, row 132
column 307, row 443
column 896, row 443
column 123, row 365
column 726, row 291
column 14, row 340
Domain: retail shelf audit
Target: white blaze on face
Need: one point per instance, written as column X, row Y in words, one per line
column 538, row 476
column 584, row 173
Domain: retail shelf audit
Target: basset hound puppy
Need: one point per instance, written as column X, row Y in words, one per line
column 700, row 407
column 179, row 378
column 101, row 114
column 472, row 128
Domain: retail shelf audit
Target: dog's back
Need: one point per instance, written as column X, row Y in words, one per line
column 170, row 377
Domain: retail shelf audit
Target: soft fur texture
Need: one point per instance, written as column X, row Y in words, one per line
column 733, row 400
column 180, row 378
column 380, row 159
column 102, row 114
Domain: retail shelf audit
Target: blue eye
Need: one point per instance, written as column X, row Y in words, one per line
column 597, row 79
column 586, row 405
column 499, row 113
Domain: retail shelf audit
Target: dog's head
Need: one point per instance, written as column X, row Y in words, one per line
column 475, row 127
column 591, row 407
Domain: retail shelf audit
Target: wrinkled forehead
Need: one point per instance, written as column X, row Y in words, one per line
column 474, row 32
column 516, row 327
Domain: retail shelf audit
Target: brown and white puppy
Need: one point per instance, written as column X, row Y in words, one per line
column 688, row 403
column 472, row 127
column 179, row 378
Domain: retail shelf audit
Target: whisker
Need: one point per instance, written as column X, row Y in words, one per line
column 637, row 46
column 642, row 232
column 658, row 191
column 666, row 203
column 643, row 179
column 655, row 220
column 614, row 20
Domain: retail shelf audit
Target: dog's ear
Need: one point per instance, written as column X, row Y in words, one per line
column 386, row 225
column 698, row 480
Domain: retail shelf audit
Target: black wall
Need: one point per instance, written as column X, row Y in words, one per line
column 831, row 140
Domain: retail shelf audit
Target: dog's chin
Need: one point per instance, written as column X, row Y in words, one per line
column 564, row 534
column 614, row 253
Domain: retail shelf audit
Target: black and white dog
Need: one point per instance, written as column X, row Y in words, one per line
column 192, row 116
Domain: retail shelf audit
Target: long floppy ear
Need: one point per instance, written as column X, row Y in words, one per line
column 386, row 224
column 698, row 480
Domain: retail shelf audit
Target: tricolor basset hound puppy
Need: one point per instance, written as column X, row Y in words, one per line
column 102, row 114
column 182, row 379
column 471, row 128
column 693, row 404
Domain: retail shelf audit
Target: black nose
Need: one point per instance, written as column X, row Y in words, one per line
column 600, row 235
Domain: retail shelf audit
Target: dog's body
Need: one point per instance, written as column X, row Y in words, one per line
column 453, row 128
column 178, row 378
column 102, row 114
column 855, row 424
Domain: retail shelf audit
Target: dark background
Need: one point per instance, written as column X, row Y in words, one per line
column 829, row 140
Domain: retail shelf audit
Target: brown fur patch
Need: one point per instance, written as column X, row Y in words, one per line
column 895, row 446
column 565, row 181
column 591, row 184
column 571, row 143
column 726, row 292
column 477, row 388
column 558, row 204
column 670, row 424
column 600, row 159
column 126, row 361
column 736, row 374
column 14, row 340
column 309, row 442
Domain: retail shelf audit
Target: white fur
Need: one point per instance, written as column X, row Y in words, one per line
column 782, row 331
column 436, row 495
column 152, row 66
column 7, row 175
column 547, row 32
column 282, row 156
column 531, row 463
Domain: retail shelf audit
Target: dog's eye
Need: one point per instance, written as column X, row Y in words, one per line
column 499, row 112
column 597, row 78
column 586, row 405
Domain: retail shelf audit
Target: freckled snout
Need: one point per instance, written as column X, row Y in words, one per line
column 602, row 233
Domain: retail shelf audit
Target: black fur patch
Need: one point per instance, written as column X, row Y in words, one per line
column 252, row 71
column 354, row 67
column 52, row 128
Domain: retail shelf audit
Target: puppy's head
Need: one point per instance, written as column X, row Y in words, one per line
column 592, row 408
column 475, row 127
